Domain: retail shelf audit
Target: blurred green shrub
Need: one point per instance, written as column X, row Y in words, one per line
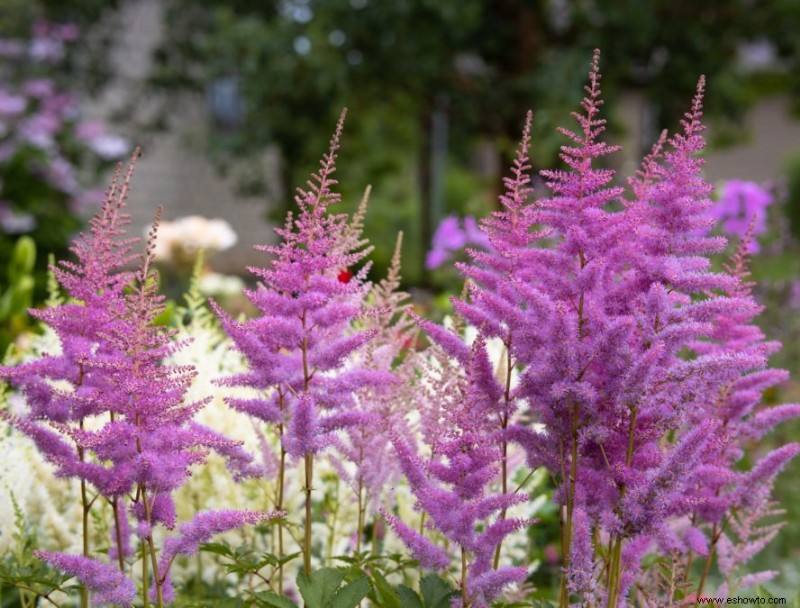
column 17, row 293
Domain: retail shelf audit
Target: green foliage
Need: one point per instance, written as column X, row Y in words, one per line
column 793, row 193
column 398, row 65
column 244, row 560
column 434, row 592
column 322, row 589
column 17, row 293
column 24, row 578
column 273, row 600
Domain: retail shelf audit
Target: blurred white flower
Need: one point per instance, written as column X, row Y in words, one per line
column 216, row 284
column 188, row 235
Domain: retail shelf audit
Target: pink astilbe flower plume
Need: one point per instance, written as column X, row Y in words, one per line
column 107, row 584
column 66, row 388
column 598, row 300
column 452, row 488
column 364, row 458
column 112, row 367
column 303, row 350
column 719, row 489
column 304, row 330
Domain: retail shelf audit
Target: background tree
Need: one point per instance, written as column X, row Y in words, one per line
column 402, row 67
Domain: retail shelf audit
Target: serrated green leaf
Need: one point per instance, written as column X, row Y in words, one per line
column 218, row 548
column 318, row 589
column 385, row 594
column 351, row 594
column 409, row 597
column 273, row 600
column 436, row 592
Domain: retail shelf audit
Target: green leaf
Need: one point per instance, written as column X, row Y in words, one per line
column 351, row 594
column 409, row 597
column 273, row 600
column 218, row 548
column 385, row 594
column 436, row 591
column 287, row 558
column 318, row 589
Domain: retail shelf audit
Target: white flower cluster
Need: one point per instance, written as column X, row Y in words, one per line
column 182, row 238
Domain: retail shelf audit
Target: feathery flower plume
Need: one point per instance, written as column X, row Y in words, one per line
column 452, row 489
column 112, row 368
column 107, row 584
column 363, row 457
column 597, row 307
column 299, row 346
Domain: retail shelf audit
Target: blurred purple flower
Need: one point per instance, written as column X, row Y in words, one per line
column 40, row 129
column 451, row 237
column 109, row 147
column 11, row 48
column 38, row 87
column 740, row 201
column 435, row 258
column 474, row 234
column 90, row 129
column 61, row 175
column 12, row 222
column 794, row 295
column 11, row 105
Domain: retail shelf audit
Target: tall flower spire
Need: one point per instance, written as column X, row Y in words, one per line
column 452, row 488
column 300, row 344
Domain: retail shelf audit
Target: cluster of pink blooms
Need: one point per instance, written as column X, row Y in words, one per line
column 639, row 376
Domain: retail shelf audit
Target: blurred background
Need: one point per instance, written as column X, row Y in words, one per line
column 233, row 102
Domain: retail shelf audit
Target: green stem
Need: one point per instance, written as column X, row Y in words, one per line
column 281, row 486
column 309, row 470
column 573, row 475
column 504, row 463
column 715, row 534
column 145, row 576
column 614, row 573
column 152, row 549
column 85, row 508
column 361, row 513
column 464, row 602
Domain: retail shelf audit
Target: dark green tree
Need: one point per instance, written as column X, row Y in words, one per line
column 402, row 65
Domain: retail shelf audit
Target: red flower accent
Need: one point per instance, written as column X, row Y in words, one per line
column 344, row 275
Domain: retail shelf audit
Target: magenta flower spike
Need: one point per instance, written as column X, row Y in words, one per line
column 112, row 368
column 303, row 349
column 304, row 331
column 107, row 584
column 452, row 488
column 598, row 299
